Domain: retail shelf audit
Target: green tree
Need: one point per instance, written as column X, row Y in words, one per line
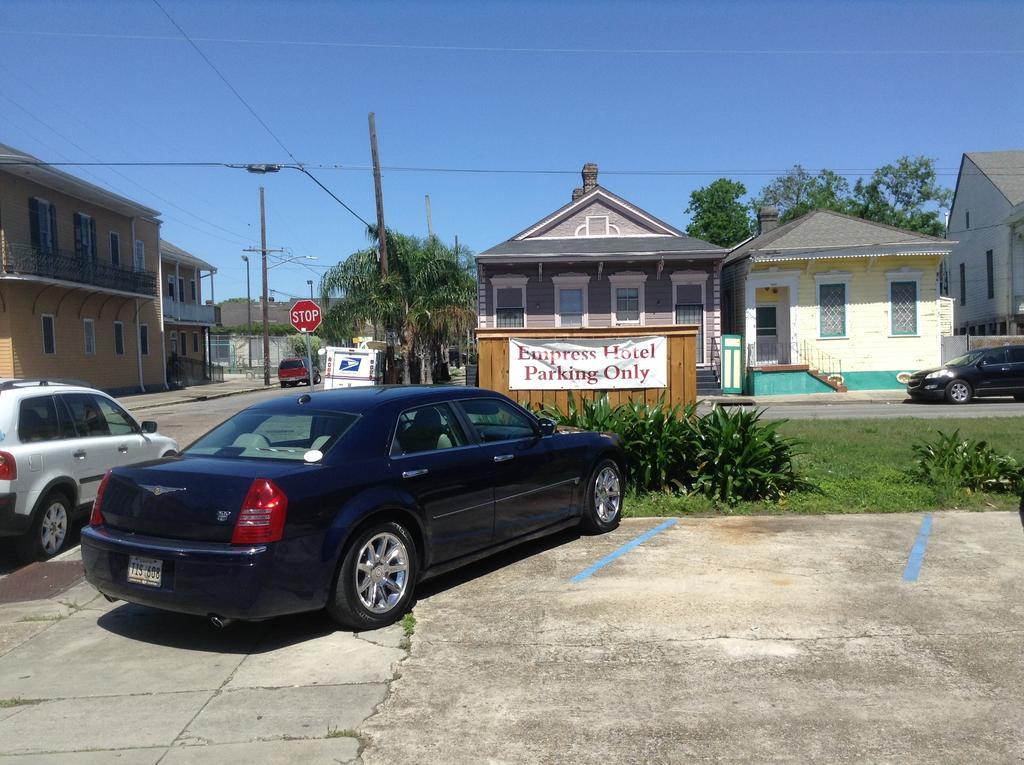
column 718, row 216
column 427, row 298
column 905, row 194
column 798, row 192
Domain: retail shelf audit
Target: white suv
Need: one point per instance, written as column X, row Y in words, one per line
column 56, row 442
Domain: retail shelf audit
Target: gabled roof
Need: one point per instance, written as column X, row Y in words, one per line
column 612, row 200
column 1005, row 169
column 825, row 230
column 31, row 168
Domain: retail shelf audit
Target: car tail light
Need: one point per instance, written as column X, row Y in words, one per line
column 96, row 517
column 261, row 518
column 8, row 467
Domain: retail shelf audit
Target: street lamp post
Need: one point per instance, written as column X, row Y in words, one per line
column 310, row 283
column 248, row 312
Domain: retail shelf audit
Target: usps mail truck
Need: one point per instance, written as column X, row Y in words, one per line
column 349, row 367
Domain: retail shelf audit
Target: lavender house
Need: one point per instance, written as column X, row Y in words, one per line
column 600, row 261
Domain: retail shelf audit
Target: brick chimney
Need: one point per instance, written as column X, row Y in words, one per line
column 577, row 193
column 767, row 219
column 589, row 177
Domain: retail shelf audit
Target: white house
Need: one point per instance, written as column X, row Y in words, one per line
column 986, row 267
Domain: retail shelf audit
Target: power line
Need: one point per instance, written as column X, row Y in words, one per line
column 305, row 168
column 225, row 81
column 525, row 49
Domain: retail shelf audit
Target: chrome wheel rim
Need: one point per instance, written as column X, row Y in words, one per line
column 958, row 392
column 607, row 494
column 382, row 572
column 54, row 527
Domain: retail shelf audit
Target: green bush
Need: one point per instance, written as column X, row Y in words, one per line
column 727, row 455
column 740, row 458
column 954, row 462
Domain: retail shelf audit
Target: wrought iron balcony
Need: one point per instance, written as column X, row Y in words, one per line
column 23, row 259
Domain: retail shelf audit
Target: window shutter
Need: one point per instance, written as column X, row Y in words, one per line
column 33, row 221
column 95, row 249
column 79, row 238
column 53, row 227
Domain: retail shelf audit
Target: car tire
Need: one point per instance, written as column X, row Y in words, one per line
column 48, row 534
column 370, row 593
column 959, row 392
column 602, row 500
column 284, row 385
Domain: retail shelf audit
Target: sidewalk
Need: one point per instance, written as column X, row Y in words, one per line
column 851, row 397
column 233, row 384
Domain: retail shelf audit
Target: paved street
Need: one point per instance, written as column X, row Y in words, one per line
column 844, row 409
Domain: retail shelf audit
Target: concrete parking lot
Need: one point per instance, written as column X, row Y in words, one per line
column 745, row 639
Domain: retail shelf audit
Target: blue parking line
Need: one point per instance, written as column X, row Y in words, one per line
column 587, row 572
column 917, row 551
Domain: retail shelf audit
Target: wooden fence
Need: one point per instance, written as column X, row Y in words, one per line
column 682, row 368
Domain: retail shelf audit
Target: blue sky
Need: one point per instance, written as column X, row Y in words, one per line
column 742, row 89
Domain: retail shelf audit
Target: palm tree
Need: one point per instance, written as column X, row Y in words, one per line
column 427, row 297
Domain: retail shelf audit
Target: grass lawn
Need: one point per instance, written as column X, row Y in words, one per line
column 862, row 466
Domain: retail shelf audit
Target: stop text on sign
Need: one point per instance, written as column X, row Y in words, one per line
column 305, row 316
column 588, row 363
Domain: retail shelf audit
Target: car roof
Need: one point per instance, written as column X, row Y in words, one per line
column 20, row 388
column 365, row 399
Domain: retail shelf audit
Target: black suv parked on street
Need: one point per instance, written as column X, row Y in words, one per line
column 981, row 372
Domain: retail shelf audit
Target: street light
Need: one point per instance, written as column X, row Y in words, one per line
column 248, row 309
column 310, row 283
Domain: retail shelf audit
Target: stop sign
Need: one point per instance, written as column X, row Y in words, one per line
column 306, row 316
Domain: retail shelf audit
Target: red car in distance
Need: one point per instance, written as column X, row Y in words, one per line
column 293, row 371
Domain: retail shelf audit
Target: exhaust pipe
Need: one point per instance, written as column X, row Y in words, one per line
column 219, row 621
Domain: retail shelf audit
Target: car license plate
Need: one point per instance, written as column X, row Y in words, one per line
column 145, row 570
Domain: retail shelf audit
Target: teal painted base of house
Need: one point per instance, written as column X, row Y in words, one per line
column 874, row 380
column 799, row 382
column 784, row 384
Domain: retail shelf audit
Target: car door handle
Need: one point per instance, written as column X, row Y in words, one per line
column 414, row 473
column 79, row 455
column 504, row 457
column 123, row 448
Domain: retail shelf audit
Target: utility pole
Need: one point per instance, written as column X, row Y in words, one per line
column 262, row 249
column 430, row 227
column 266, row 316
column 382, row 243
column 248, row 313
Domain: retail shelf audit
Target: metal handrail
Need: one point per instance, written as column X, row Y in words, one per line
column 798, row 353
column 66, row 266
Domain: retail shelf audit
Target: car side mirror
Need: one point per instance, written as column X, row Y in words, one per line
column 547, row 427
column 149, row 426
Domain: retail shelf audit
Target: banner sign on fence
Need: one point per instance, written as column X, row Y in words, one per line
column 588, row 363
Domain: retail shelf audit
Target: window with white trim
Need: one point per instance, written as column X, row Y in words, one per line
column 571, row 299
column 832, row 310
column 509, row 300
column 597, row 225
column 628, row 298
column 89, row 330
column 903, row 308
column 43, row 224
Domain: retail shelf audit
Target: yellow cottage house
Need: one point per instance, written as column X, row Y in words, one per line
column 827, row 302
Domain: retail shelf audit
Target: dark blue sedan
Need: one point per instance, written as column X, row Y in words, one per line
column 343, row 500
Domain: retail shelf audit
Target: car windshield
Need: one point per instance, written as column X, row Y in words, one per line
column 262, row 435
column 292, row 364
column 965, row 360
